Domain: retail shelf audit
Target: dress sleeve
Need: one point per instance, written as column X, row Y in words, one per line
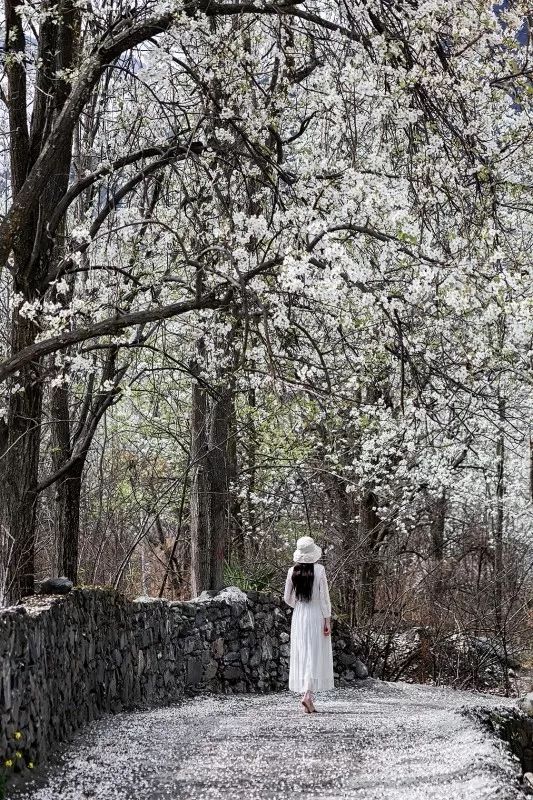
column 325, row 602
column 289, row 590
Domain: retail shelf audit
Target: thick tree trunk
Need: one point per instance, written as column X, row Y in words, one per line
column 252, row 472
column 200, row 500
column 219, row 484
column 32, row 254
column 20, row 467
column 60, row 435
column 235, row 545
column 68, row 501
column 210, row 495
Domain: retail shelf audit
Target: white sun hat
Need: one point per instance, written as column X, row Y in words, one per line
column 307, row 552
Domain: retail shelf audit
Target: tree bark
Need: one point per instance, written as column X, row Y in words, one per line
column 438, row 525
column 235, row 545
column 68, row 487
column 20, row 469
column 252, row 473
column 499, row 522
column 68, row 500
column 210, row 499
column 32, row 254
column 219, row 484
column 200, row 499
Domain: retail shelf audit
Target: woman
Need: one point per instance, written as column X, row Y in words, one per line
column 306, row 590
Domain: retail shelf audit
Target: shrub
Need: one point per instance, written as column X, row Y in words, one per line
column 249, row 578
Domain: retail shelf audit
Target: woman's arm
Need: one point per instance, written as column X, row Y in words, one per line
column 289, row 590
column 325, row 602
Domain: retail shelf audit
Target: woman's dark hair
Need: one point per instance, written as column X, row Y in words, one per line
column 303, row 576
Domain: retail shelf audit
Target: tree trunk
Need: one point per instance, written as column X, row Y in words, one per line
column 67, row 491
column 219, row 484
column 60, row 436
column 235, row 545
column 499, row 522
column 252, row 472
column 20, row 468
column 68, row 521
column 438, row 524
column 200, row 500
column 32, row 254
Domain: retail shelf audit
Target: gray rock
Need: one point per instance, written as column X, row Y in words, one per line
column 210, row 671
column 207, row 594
column 361, row 670
column 232, row 595
column 255, row 659
column 194, row 671
column 233, row 673
column 145, row 598
column 247, row 622
column 347, row 658
column 56, row 586
column 527, row 782
column 266, row 648
column 525, row 704
column 218, row 648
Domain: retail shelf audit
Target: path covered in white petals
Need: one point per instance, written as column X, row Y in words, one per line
column 393, row 741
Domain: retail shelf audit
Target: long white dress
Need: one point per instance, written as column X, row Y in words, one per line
column 311, row 660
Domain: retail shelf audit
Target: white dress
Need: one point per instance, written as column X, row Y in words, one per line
column 311, row 662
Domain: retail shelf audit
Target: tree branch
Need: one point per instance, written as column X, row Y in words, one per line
column 107, row 327
column 77, row 188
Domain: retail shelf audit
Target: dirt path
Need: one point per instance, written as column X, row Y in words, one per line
column 392, row 741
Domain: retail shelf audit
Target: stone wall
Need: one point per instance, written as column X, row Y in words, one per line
column 516, row 729
column 67, row 660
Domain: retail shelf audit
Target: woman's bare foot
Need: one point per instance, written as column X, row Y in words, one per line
column 308, row 704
